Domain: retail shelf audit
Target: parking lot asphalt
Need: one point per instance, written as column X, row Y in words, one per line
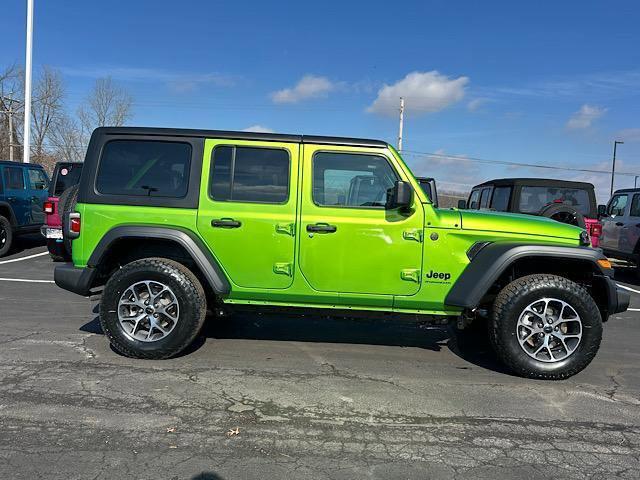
column 309, row 397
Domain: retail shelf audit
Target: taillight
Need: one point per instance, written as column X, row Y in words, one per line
column 75, row 225
column 48, row 207
column 596, row 229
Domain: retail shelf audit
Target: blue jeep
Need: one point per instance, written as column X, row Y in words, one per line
column 23, row 190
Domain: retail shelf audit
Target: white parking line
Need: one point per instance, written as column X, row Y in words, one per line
column 24, row 258
column 628, row 288
column 634, row 309
column 25, row 280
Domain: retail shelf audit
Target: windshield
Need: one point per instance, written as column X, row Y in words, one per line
column 534, row 199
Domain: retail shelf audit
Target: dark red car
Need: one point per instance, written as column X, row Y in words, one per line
column 65, row 175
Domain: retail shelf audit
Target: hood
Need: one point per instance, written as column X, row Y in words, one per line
column 517, row 223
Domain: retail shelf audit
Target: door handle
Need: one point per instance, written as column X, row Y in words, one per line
column 321, row 228
column 619, row 224
column 225, row 223
column 35, row 199
column 11, row 199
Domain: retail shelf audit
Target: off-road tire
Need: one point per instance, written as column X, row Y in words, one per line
column 515, row 297
column 190, row 296
column 555, row 210
column 5, row 225
column 67, row 204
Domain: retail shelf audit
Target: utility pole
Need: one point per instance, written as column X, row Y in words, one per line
column 27, row 84
column 613, row 167
column 401, row 124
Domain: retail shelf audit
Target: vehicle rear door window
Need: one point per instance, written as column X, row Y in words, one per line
column 37, row 179
column 14, row 178
column 635, row 206
column 67, row 176
column 484, row 197
column 474, row 200
column 351, row 180
column 617, row 205
column 500, row 199
column 145, row 168
column 533, row 199
column 250, row 174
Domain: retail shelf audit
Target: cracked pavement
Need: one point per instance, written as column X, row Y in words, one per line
column 312, row 397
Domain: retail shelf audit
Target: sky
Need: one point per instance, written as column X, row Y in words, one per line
column 546, row 82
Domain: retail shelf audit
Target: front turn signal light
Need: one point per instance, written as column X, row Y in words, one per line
column 605, row 263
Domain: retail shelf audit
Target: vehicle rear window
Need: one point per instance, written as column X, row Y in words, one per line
column 534, row 199
column 144, row 168
column 250, row 174
column 500, row 199
column 68, row 176
column 13, row 178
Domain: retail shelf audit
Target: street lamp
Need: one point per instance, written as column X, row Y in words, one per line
column 613, row 168
column 27, row 84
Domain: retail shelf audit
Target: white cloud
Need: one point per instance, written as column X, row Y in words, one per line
column 584, row 117
column 424, row 92
column 309, row 86
column 257, row 129
column 629, row 135
column 476, row 103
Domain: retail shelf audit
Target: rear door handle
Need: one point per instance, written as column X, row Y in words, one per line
column 11, row 199
column 321, row 228
column 225, row 223
column 619, row 224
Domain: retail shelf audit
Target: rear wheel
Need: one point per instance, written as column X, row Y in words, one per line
column 66, row 205
column 6, row 236
column 545, row 326
column 152, row 308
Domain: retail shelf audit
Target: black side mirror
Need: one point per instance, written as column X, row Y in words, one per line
column 462, row 204
column 399, row 196
column 602, row 210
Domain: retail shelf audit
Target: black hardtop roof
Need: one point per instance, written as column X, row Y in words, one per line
column 628, row 190
column 234, row 135
column 20, row 163
column 536, row 182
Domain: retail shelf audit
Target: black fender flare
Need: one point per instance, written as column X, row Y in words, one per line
column 12, row 216
column 491, row 260
column 194, row 246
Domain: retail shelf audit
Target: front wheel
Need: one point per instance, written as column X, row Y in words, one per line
column 152, row 308
column 545, row 326
column 6, row 236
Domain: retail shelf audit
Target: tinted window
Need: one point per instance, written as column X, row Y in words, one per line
column 247, row 174
column 534, row 199
column 474, row 200
column 635, row 206
column 68, row 176
column 144, row 168
column 37, row 179
column 484, row 197
column 351, row 180
column 13, row 178
column 617, row 205
column 500, row 199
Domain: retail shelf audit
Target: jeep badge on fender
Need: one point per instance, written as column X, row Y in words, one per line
column 438, row 275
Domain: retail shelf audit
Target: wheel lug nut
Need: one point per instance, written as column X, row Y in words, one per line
column 155, row 315
column 556, row 329
column 540, row 325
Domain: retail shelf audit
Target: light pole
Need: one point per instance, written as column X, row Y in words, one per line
column 27, row 84
column 613, row 168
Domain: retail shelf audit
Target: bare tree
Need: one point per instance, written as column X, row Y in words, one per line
column 11, row 94
column 107, row 105
column 47, row 110
column 67, row 140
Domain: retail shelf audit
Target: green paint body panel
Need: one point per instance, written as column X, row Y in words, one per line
column 379, row 260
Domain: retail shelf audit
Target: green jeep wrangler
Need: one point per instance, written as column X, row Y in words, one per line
column 172, row 223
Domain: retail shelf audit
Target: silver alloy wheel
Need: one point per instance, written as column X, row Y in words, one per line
column 148, row 311
column 549, row 330
column 3, row 236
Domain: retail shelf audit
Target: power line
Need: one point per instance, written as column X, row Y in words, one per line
column 508, row 163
